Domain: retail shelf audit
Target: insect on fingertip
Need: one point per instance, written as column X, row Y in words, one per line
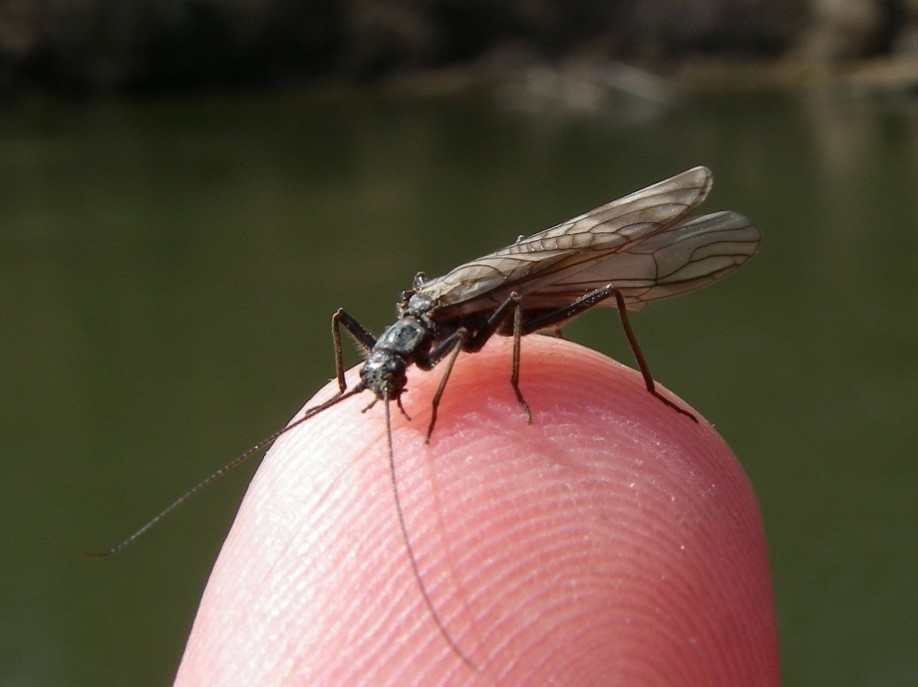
column 642, row 247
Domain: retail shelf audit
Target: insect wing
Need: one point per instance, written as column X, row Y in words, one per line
column 677, row 260
column 532, row 262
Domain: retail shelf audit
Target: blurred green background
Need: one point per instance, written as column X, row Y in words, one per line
column 169, row 265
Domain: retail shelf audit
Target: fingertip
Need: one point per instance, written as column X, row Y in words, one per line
column 628, row 535
column 611, row 539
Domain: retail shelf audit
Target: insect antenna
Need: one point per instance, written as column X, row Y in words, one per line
column 414, row 563
column 235, row 462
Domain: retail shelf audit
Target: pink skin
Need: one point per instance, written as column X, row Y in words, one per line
column 613, row 542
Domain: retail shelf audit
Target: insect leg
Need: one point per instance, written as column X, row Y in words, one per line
column 556, row 318
column 639, row 356
column 585, row 303
column 515, row 371
column 452, row 344
column 364, row 340
column 495, row 321
column 459, row 340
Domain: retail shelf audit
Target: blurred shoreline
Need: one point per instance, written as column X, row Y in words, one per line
column 580, row 50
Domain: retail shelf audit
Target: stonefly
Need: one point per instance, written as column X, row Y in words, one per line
column 636, row 249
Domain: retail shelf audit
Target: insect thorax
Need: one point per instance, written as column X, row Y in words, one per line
column 397, row 348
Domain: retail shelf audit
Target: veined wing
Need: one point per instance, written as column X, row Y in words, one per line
column 677, row 260
column 639, row 244
column 609, row 228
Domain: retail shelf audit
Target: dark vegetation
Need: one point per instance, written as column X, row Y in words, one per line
column 99, row 46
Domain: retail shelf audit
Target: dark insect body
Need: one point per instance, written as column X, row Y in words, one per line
column 639, row 248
